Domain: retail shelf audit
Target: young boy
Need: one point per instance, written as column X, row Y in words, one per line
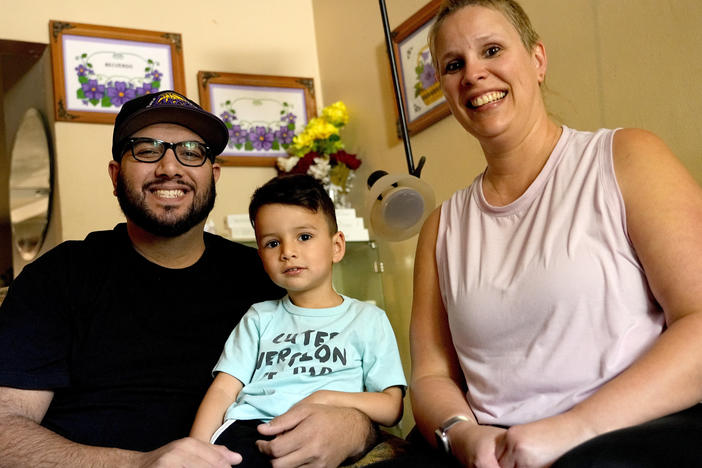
column 314, row 344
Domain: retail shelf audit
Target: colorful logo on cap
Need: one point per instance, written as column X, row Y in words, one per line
column 170, row 99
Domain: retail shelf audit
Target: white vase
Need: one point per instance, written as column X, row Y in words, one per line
column 340, row 195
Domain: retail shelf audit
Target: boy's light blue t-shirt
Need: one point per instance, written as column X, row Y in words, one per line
column 283, row 353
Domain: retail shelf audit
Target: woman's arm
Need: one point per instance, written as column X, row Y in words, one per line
column 381, row 407
column 664, row 221
column 221, row 394
column 437, row 387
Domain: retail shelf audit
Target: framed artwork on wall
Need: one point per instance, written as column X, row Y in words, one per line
column 422, row 98
column 263, row 113
column 98, row 68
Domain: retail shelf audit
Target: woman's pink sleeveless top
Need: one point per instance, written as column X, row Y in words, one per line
column 546, row 298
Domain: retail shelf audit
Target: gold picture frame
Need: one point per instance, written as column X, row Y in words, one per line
column 262, row 112
column 98, row 68
column 421, row 94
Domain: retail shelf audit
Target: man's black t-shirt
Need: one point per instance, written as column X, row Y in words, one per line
column 127, row 346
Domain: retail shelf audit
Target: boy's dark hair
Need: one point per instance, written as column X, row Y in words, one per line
column 297, row 190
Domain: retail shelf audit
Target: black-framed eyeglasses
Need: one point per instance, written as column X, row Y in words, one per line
column 151, row 150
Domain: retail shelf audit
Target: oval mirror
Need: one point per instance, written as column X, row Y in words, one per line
column 30, row 185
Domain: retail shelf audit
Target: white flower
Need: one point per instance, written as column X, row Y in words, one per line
column 286, row 164
column 320, row 169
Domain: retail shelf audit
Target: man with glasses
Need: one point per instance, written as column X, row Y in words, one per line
column 107, row 344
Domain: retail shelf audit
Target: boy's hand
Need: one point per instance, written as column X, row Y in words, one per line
column 315, row 435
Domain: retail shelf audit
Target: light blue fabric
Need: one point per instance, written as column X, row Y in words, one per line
column 283, row 353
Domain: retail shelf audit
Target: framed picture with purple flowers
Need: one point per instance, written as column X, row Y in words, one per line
column 98, row 68
column 422, row 98
column 263, row 113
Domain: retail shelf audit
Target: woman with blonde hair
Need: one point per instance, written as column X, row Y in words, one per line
column 556, row 313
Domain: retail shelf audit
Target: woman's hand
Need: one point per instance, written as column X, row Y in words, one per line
column 540, row 443
column 476, row 446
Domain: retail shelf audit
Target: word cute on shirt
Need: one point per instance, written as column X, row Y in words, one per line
column 309, row 352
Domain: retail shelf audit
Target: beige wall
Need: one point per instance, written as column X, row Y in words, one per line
column 272, row 37
column 612, row 63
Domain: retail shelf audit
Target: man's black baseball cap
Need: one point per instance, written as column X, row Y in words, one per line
column 168, row 107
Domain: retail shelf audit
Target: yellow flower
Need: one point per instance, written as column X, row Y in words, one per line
column 312, row 125
column 321, row 134
column 301, row 144
column 302, row 140
column 320, row 129
column 336, row 114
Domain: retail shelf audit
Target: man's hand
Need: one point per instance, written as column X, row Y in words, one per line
column 315, row 435
column 188, row 453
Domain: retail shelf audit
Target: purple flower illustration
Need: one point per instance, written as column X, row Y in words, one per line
column 237, row 135
column 82, row 70
column 428, row 76
column 261, row 138
column 155, row 75
column 93, row 90
column 284, row 135
column 289, row 118
column 119, row 94
column 145, row 89
column 227, row 116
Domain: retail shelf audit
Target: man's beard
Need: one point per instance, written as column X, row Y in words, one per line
column 134, row 207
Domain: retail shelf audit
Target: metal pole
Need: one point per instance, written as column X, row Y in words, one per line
column 398, row 94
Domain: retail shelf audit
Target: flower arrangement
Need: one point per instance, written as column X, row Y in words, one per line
column 319, row 151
